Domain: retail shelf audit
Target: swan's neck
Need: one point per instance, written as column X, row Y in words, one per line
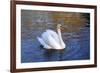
column 60, row 37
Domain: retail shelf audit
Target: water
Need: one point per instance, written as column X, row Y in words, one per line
column 77, row 48
column 34, row 23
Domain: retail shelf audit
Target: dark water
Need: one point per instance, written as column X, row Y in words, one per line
column 77, row 48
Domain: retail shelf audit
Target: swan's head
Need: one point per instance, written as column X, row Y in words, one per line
column 61, row 27
column 58, row 26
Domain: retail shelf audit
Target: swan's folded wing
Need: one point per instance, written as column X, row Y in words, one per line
column 55, row 38
column 43, row 43
column 49, row 40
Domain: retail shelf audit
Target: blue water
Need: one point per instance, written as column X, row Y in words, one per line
column 77, row 48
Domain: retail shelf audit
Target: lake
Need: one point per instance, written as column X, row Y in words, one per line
column 77, row 48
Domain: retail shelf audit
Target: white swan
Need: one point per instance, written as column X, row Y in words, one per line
column 52, row 40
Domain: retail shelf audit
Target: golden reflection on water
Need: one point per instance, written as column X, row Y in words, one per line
column 42, row 20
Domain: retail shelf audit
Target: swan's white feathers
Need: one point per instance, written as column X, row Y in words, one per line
column 53, row 34
column 43, row 43
column 50, row 39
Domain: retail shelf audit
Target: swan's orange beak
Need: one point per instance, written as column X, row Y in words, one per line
column 62, row 28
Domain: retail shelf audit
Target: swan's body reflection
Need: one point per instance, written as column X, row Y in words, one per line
column 50, row 54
